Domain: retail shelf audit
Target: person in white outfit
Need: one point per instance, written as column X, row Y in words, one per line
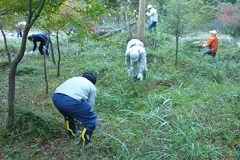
column 152, row 13
column 136, row 59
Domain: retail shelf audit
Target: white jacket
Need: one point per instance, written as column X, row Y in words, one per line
column 140, row 65
column 134, row 42
column 153, row 15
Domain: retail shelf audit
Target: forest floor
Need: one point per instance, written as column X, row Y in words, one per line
column 198, row 36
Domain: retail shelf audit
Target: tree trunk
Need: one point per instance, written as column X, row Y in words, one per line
column 45, row 71
column 177, row 34
column 141, row 19
column 52, row 51
column 59, row 56
column 11, row 77
column 14, row 64
column 176, row 53
column 51, row 46
column 6, row 46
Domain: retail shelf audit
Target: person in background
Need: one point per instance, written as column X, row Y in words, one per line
column 19, row 29
column 152, row 13
column 75, row 99
column 136, row 60
column 44, row 42
column 72, row 33
column 212, row 45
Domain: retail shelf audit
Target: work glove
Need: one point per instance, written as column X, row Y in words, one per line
column 31, row 52
column 140, row 76
column 129, row 72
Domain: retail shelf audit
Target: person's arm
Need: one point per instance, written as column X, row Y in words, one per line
column 92, row 96
column 129, row 45
column 209, row 43
column 142, row 62
column 149, row 13
column 127, row 60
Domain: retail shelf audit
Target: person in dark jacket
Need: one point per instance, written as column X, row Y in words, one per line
column 44, row 42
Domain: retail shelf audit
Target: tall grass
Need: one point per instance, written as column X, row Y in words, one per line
column 188, row 111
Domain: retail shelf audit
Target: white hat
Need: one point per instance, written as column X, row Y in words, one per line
column 149, row 6
column 213, row 32
column 134, row 55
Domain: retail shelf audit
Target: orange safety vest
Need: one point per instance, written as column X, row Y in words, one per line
column 213, row 43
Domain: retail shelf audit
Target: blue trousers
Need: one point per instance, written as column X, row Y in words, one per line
column 151, row 25
column 40, row 48
column 74, row 109
column 211, row 54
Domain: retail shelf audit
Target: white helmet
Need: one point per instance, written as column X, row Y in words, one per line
column 149, row 6
column 213, row 32
column 134, row 55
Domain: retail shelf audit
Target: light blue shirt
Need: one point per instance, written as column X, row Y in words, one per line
column 78, row 88
column 153, row 15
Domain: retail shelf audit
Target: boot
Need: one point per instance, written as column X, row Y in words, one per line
column 71, row 128
column 86, row 136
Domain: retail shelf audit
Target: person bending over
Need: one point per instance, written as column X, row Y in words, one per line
column 75, row 99
column 44, row 43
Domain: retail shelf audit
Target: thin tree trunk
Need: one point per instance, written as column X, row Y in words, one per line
column 129, row 26
column 45, row 71
column 176, row 53
column 52, row 51
column 6, row 46
column 141, row 19
column 11, row 78
column 59, row 56
column 177, row 34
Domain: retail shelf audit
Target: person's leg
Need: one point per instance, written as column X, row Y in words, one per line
column 61, row 102
column 207, row 52
column 150, row 26
column 71, row 127
column 40, row 48
column 135, row 68
column 20, row 33
column 154, row 26
column 213, row 57
column 83, row 112
column 47, row 45
column 86, row 135
column 88, row 117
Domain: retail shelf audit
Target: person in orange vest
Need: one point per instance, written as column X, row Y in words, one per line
column 212, row 44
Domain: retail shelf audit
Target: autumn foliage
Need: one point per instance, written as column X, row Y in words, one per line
column 230, row 15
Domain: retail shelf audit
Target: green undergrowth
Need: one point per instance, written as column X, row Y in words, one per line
column 187, row 111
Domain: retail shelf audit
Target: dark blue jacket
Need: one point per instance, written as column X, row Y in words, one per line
column 42, row 38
